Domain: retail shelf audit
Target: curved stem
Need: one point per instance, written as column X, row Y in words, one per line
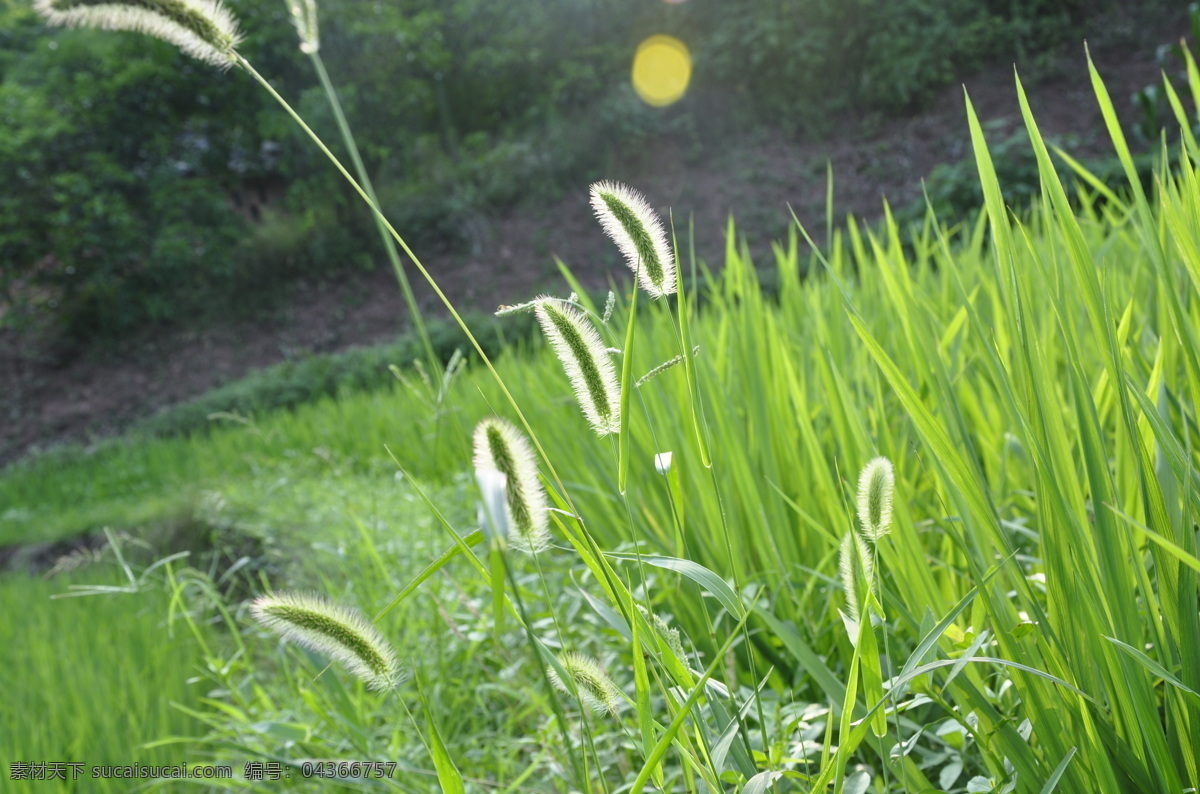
column 388, row 244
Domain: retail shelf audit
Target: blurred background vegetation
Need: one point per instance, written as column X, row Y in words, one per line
column 145, row 188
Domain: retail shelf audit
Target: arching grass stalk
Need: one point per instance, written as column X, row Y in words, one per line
column 206, row 30
column 663, row 464
column 515, row 606
column 628, row 219
column 500, row 448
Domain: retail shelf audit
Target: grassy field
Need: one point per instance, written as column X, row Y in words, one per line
column 1029, row 624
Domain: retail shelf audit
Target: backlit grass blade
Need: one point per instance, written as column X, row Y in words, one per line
column 627, row 387
column 689, row 367
column 448, row 775
column 470, row 539
column 872, row 672
column 641, row 682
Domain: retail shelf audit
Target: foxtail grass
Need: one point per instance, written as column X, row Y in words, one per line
column 587, row 363
column 876, row 486
column 629, row 221
column 340, row 633
column 203, row 29
column 501, row 447
column 588, row 682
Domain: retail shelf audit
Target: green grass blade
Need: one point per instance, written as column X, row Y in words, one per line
column 626, row 391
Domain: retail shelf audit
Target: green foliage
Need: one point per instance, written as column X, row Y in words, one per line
column 1029, row 620
column 119, row 155
column 462, row 109
column 1024, row 377
column 954, row 192
column 811, row 63
column 1020, row 536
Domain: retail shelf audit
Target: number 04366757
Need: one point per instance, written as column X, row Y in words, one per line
column 338, row 769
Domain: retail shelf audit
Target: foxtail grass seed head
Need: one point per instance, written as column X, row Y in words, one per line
column 203, row 29
column 586, row 361
column 340, row 633
column 595, row 689
column 876, row 485
column 501, row 447
column 849, row 580
column 629, row 221
column 304, row 17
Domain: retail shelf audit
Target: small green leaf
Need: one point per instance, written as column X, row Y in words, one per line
column 761, row 782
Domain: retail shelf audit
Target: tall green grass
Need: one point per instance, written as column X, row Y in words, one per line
column 94, row 679
column 1031, row 377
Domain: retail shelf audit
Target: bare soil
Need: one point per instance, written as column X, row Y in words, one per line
column 45, row 403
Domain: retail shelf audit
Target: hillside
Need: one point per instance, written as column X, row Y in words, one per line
column 47, row 400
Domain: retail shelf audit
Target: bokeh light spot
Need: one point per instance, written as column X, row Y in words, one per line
column 662, row 69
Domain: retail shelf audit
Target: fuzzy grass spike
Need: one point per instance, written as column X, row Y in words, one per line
column 669, row 633
column 629, row 221
column 854, row 558
column 595, row 689
column 587, row 363
column 203, row 29
column 499, row 446
column 340, row 633
column 304, row 17
column 876, row 485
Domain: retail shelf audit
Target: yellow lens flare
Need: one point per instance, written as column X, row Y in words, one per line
column 662, row 69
